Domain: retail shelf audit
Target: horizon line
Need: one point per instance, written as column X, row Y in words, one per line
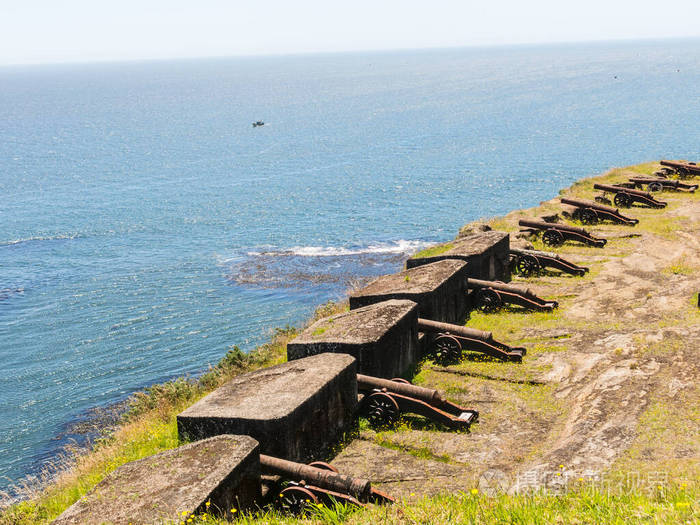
column 344, row 52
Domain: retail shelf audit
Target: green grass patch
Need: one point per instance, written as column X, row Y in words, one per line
column 383, row 439
column 679, row 267
column 585, row 503
column 433, row 251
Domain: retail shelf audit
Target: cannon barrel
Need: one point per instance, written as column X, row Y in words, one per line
column 418, row 392
column 325, row 479
column 536, row 253
column 665, row 182
column 647, row 180
column 588, row 204
column 690, row 166
column 547, row 225
column 615, row 189
column 426, row 325
column 478, row 283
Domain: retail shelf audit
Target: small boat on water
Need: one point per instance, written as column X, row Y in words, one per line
column 258, row 123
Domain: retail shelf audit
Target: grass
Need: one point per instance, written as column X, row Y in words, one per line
column 433, row 251
column 611, row 502
column 383, row 439
column 680, row 267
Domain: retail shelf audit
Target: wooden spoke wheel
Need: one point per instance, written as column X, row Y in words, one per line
column 446, row 349
column 527, row 265
column 655, row 187
column 623, row 200
column 323, row 466
column 588, row 216
column 382, row 410
column 296, row 500
column 488, row 300
column 553, row 238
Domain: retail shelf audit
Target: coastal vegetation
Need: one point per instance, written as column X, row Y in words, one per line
column 653, row 478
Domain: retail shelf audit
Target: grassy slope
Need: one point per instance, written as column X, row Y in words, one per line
column 151, row 428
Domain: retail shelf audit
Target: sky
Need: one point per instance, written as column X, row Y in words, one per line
column 50, row 31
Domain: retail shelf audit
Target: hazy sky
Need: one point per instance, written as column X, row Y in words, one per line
column 87, row 30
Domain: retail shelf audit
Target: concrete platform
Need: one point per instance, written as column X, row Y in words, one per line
column 383, row 337
column 295, row 410
column 486, row 254
column 439, row 289
column 224, row 471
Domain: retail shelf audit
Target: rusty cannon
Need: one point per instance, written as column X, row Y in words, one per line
column 625, row 197
column 657, row 185
column 589, row 212
column 385, row 400
column 683, row 169
column 315, row 483
column 532, row 262
column 451, row 340
column 554, row 234
column 492, row 295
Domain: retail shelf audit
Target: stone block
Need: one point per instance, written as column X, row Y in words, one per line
column 224, row 470
column 383, row 337
column 486, row 254
column 439, row 289
column 296, row 410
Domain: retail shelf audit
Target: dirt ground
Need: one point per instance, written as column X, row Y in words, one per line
column 609, row 385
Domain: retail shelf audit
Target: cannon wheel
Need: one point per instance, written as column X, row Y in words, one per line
column 527, row 265
column 589, row 216
column 655, row 187
column 446, row 349
column 296, row 500
column 553, row 238
column 381, row 410
column 488, row 300
column 623, row 200
column 323, row 466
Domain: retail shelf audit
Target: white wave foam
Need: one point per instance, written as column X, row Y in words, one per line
column 40, row 238
column 401, row 246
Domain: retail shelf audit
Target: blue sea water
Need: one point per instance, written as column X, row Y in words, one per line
column 146, row 227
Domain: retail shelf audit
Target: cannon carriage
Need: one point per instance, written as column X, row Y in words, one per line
column 660, row 184
column 554, row 234
column 682, row 169
column 314, row 483
column 492, row 295
column 448, row 342
column 625, row 197
column 589, row 212
column 384, row 400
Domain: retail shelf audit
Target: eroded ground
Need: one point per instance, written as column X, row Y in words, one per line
column 610, row 382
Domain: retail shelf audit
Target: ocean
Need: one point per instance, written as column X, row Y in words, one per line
column 146, row 226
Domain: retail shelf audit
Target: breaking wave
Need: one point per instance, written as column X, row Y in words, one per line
column 304, row 266
column 398, row 247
